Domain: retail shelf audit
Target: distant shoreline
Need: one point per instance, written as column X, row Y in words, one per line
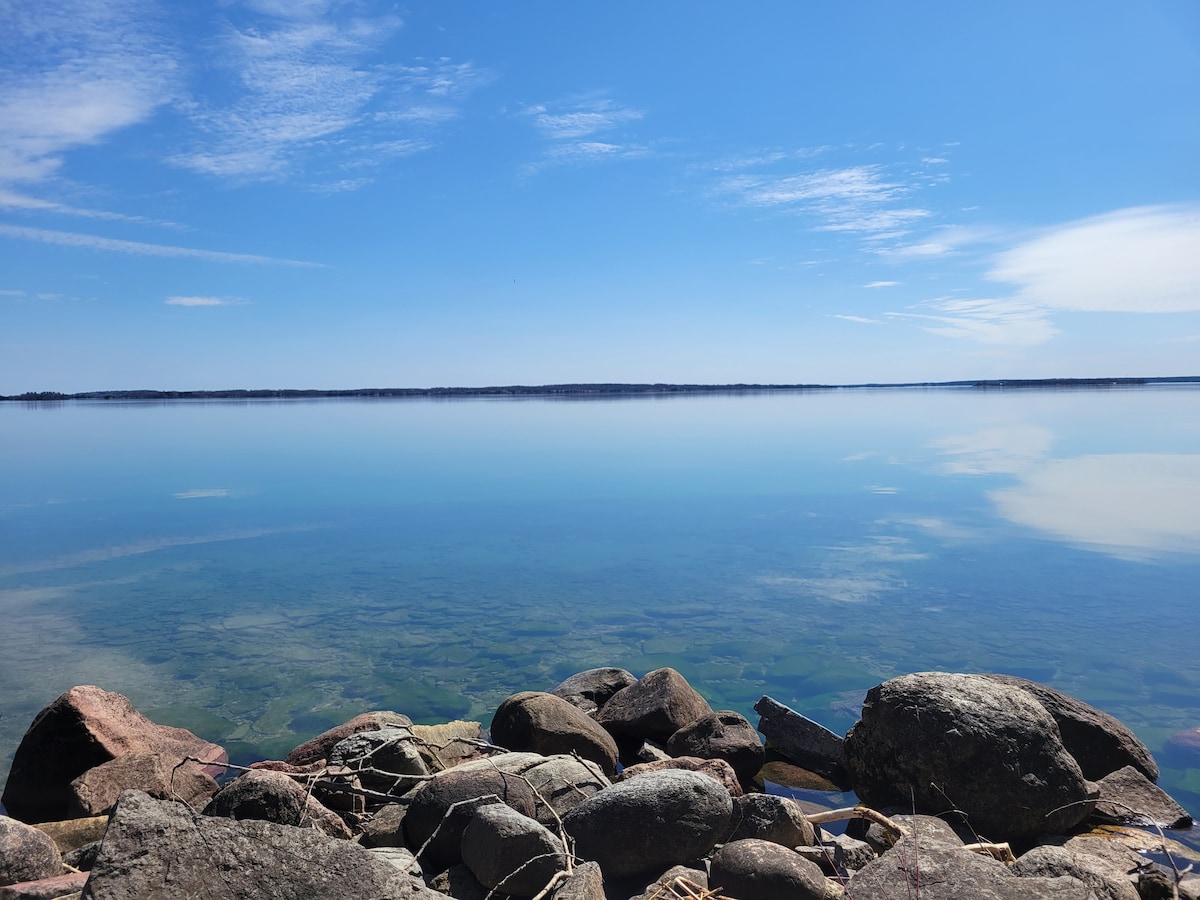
column 591, row 390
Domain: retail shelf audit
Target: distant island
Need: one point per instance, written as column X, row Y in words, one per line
column 591, row 390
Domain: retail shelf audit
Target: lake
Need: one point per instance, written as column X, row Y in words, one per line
column 260, row 571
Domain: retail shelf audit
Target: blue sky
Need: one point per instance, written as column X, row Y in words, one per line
column 327, row 194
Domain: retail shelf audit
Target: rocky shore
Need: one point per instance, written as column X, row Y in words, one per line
column 606, row 787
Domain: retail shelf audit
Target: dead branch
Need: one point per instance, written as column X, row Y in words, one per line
column 858, row 812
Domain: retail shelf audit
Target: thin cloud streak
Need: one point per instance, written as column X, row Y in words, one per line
column 95, row 242
column 12, row 200
column 573, row 128
column 201, row 301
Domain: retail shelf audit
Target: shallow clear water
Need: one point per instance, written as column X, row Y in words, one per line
column 259, row 571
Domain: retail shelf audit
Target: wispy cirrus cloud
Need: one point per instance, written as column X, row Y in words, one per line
column 86, row 70
column 138, row 248
column 1006, row 322
column 860, row 319
column 17, row 201
column 881, row 284
column 203, row 301
column 585, row 129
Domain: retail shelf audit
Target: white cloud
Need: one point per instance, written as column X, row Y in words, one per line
column 584, row 130
column 861, row 319
column 881, row 284
column 86, row 70
column 13, row 200
column 1132, row 505
column 94, row 242
column 200, row 301
column 988, row 321
column 1145, row 259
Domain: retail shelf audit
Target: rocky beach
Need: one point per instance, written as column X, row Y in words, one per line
column 605, row 787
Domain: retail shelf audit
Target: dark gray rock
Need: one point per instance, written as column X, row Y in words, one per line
column 1129, row 797
column 768, row 817
column 845, row 853
column 86, row 727
column 26, row 854
column 763, row 870
column 1106, row 882
column 95, row 792
column 586, row 882
column 546, row 724
column 1099, row 742
column 716, row 769
column 381, row 758
column 274, row 797
column 596, row 686
column 82, row 858
column 926, row 828
column 383, row 827
column 155, row 848
column 936, row 872
column 459, row 883
column 647, row 824
column 445, row 805
column 653, row 708
column 563, row 782
column 318, row 748
column 647, row 751
column 935, row 742
column 509, row 852
column 726, row 735
column 803, row 741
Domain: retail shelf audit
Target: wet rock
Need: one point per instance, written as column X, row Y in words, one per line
column 1107, row 881
column 653, row 708
column 647, row 824
column 46, row 888
column 586, row 882
column 95, row 792
column 155, row 848
column 26, row 854
column 806, row 743
column 563, row 782
column 381, row 759
column 509, row 852
column 941, row 741
column 593, row 687
column 317, row 749
column 716, row 769
column 275, row 797
column 84, row 728
column 770, row 818
column 1128, row 797
column 763, row 870
column 1099, row 742
column 726, row 735
column 447, row 802
column 546, row 724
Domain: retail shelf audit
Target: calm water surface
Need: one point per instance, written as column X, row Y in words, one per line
column 260, row 571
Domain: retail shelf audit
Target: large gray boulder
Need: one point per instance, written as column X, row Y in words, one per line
column 1128, row 796
column 509, row 852
column 649, row 823
column 275, row 797
column 156, row 848
column 26, row 854
column 382, row 759
column 591, row 689
column 769, row 817
column 1099, row 742
column 1107, row 876
column 808, row 744
column 543, row 723
column 751, row 869
column 84, row 728
column 653, row 708
column 943, row 742
column 560, row 782
column 726, row 735
column 442, row 807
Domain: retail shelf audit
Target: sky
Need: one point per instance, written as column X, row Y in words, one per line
column 348, row 194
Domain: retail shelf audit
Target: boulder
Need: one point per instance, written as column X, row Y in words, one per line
column 726, row 735
column 751, row 869
column 381, row 759
column 653, row 708
column 64, row 886
column 1099, row 742
column 1107, row 881
column 768, row 817
column 1129, row 797
column 586, row 882
column 647, row 824
column 509, row 852
column 546, row 724
column 275, row 797
column 933, row 871
column 942, row 742
column 716, row 769
column 562, row 782
column 444, row 746
column 155, row 848
column 459, row 883
column 71, row 834
column 447, row 802
column 95, row 792
column 26, row 854
column 659, row 888
column 926, row 829
column 84, row 728
column 400, row 857
column 806, row 743
column 593, row 688
column 317, row 749
column 383, row 827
